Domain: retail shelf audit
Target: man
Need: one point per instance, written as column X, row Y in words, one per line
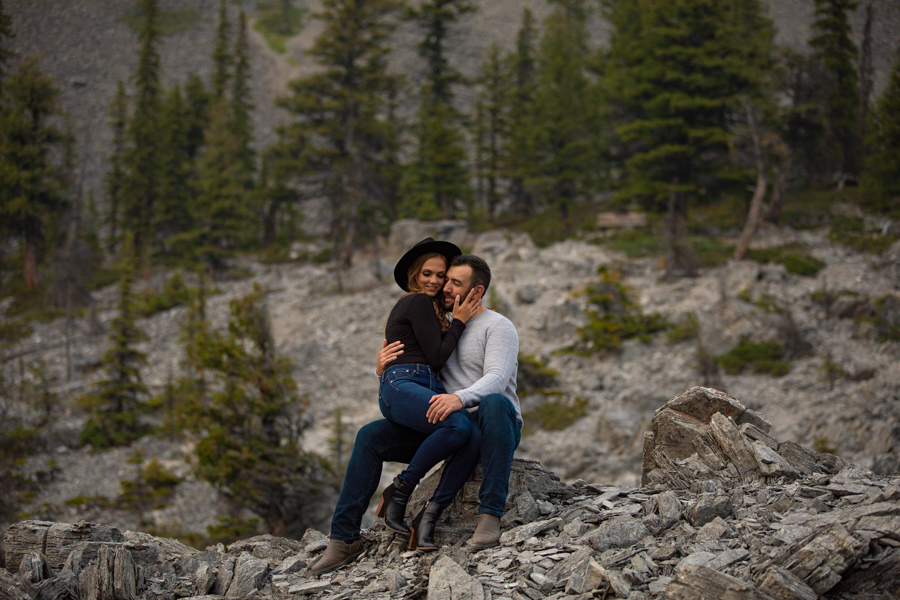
column 482, row 370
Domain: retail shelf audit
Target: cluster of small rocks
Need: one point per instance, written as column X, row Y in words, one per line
column 822, row 529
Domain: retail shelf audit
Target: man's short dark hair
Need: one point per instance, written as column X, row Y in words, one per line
column 481, row 273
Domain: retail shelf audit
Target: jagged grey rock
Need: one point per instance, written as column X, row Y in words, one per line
column 696, row 582
column 619, row 532
column 249, row 574
column 13, row 588
column 707, row 508
column 448, row 581
column 781, row 584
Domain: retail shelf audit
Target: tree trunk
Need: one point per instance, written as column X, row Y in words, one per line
column 269, row 224
column 758, row 193
column 779, row 194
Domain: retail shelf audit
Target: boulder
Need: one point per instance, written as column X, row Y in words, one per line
column 449, row 581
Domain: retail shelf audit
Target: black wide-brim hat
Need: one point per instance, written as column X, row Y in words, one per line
column 426, row 246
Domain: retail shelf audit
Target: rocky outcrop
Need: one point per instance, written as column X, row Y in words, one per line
column 704, row 434
column 819, row 529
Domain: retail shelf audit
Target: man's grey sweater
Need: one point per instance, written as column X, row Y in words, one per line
column 485, row 361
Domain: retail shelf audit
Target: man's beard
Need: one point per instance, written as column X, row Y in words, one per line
column 448, row 301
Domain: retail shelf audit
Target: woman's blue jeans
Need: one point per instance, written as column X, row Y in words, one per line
column 495, row 437
column 403, row 398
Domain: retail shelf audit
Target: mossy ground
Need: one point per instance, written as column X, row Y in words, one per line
column 554, row 413
column 765, row 358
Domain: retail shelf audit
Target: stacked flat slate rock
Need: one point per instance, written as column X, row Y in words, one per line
column 738, row 531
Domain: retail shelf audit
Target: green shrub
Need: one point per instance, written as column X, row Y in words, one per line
column 636, row 243
column 821, row 444
column 614, row 317
column 763, row 357
column 851, row 231
column 788, row 255
column 554, row 413
column 534, row 375
column 167, row 21
column 278, row 22
column 688, row 328
column 175, row 293
column 151, row 489
column 802, row 264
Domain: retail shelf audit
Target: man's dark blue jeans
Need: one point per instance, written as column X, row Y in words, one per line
column 494, row 439
column 403, row 398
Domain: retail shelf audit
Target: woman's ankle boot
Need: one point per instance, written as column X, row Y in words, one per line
column 422, row 536
column 392, row 507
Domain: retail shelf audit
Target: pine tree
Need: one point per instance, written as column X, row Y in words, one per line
column 675, row 71
column 224, row 212
column 223, row 216
column 519, row 160
column 250, row 442
column 176, row 190
column 564, row 108
column 143, row 155
column 222, row 58
column 835, row 50
column 241, row 105
column 116, row 175
column 198, row 101
column 6, row 32
column 435, row 18
column 118, row 399
column 36, row 165
column 343, row 116
column 280, row 165
column 437, row 180
column 491, row 126
column 882, row 173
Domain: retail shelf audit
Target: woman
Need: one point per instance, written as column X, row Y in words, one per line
column 420, row 320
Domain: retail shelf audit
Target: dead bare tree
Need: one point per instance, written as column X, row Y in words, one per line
column 762, row 181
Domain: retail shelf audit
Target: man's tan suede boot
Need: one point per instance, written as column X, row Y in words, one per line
column 487, row 534
column 336, row 555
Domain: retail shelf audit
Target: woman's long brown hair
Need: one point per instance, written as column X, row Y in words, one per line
column 413, row 285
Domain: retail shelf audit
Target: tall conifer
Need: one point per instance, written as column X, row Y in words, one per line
column 437, row 180
column 835, row 49
column 116, row 175
column 490, row 126
column 343, row 114
column 222, row 58
column 6, row 32
column 118, row 399
column 565, row 111
column 197, row 99
column 143, row 156
column 36, row 161
column 519, row 159
column 675, row 70
column 241, row 104
column 882, row 173
column 250, row 443
column 177, row 177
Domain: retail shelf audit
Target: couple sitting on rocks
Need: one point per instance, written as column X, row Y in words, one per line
column 423, row 356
